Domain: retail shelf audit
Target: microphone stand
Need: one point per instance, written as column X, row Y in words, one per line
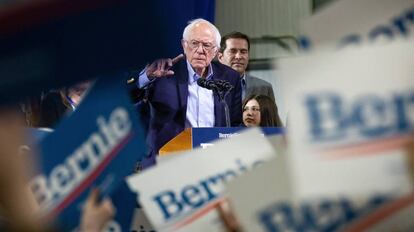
column 222, row 89
column 226, row 112
column 222, row 93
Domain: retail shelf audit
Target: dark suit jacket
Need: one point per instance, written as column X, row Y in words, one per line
column 168, row 103
column 256, row 85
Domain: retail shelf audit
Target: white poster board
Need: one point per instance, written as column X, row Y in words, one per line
column 265, row 200
column 177, row 188
column 340, row 105
column 346, row 23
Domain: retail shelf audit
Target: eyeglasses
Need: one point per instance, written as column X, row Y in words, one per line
column 254, row 109
column 194, row 44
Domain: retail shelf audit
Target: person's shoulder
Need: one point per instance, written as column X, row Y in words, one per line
column 258, row 81
column 221, row 69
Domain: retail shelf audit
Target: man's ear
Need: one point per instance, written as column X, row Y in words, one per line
column 220, row 56
column 183, row 44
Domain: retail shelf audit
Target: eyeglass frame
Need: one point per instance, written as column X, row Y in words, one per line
column 203, row 45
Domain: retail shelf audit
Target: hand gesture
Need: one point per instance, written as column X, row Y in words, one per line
column 161, row 67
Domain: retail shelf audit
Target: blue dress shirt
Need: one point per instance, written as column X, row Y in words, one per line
column 200, row 101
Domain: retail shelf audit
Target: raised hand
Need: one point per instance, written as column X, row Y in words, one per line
column 161, row 67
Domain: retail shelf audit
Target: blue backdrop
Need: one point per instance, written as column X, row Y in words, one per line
column 48, row 44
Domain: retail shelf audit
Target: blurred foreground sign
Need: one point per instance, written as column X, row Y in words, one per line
column 266, row 199
column 354, row 22
column 98, row 145
column 181, row 190
column 351, row 110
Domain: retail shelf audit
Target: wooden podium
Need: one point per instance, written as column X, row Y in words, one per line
column 196, row 137
column 181, row 142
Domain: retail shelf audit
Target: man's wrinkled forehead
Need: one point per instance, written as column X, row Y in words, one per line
column 202, row 31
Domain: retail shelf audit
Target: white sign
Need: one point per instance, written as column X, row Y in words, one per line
column 344, row 108
column 267, row 200
column 347, row 23
column 178, row 187
column 253, row 192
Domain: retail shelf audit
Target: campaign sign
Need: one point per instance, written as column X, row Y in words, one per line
column 323, row 214
column 350, row 111
column 346, row 23
column 394, row 215
column 267, row 199
column 172, row 192
column 372, row 213
column 202, row 137
column 254, row 191
column 124, row 201
column 98, row 145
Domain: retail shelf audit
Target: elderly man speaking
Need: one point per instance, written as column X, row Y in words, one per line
column 176, row 101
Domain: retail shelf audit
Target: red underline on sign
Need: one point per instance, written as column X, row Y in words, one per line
column 367, row 148
column 387, row 210
column 201, row 212
column 92, row 177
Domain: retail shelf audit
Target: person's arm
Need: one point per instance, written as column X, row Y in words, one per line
column 140, row 82
column 157, row 69
column 143, row 79
column 18, row 205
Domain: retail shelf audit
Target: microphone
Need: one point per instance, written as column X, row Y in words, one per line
column 224, row 85
column 218, row 85
column 208, row 84
column 221, row 88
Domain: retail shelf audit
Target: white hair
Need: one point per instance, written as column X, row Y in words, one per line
column 193, row 22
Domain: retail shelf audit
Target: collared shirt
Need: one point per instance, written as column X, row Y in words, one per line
column 143, row 79
column 200, row 101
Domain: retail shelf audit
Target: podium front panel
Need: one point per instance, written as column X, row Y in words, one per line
column 202, row 137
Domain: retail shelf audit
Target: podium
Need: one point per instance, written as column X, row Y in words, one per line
column 192, row 138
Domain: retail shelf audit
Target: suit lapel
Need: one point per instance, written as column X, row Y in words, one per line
column 248, row 80
column 217, row 111
column 219, row 121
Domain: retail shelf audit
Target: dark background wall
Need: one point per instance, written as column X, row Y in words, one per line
column 48, row 44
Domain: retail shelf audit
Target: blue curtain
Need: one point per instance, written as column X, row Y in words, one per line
column 39, row 52
column 183, row 11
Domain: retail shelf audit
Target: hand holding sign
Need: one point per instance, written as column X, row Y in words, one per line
column 96, row 214
column 161, row 67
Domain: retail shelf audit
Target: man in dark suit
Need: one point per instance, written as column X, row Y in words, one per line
column 234, row 52
column 176, row 101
